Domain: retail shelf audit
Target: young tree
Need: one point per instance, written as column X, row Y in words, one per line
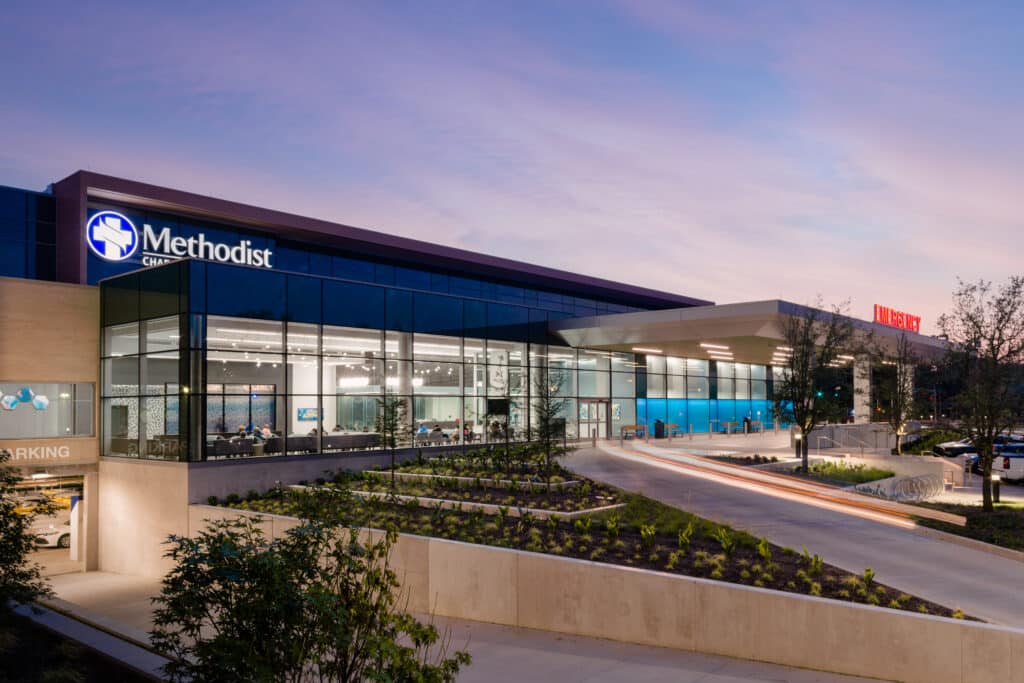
column 547, row 428
column 815, row 340
column 895, row 391
column 985, row 330
column 392, row 425
column 20, row 578
column 318, row 604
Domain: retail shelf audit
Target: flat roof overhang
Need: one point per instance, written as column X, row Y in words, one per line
column 752, row 331
column 77, row 190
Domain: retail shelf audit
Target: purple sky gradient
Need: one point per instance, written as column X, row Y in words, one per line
column 725, row 151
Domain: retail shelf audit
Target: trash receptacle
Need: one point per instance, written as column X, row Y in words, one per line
column 659, row 429
column 746, row 425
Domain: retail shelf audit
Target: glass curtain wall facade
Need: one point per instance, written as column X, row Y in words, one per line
column 225, row 361
column 703, row 395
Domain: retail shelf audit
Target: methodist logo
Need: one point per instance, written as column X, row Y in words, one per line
column 111, row 236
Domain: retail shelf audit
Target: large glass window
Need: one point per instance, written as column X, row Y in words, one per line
column 34, row 410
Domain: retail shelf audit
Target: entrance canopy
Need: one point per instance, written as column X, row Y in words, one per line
column 750, row 332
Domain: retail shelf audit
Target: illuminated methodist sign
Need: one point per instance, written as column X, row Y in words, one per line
column 113, row 237
column 893, row 318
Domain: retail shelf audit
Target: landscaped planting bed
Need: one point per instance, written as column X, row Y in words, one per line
column 586, row 496
column 841, row 474
column 1004, row 526
column 644, row 534
column 745, row 460
column 497, row 481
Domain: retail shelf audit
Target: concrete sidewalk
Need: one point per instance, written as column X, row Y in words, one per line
column 979, row 583
column 500, row 653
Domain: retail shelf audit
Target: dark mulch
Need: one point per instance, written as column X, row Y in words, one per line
column 31, row 653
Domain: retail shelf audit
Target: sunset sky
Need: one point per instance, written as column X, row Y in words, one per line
column 727, row 151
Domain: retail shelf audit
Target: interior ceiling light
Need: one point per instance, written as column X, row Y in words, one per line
column 644, row 349
column 783, row 348
column 705, row 345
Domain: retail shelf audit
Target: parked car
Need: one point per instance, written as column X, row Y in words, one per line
column 1009, row 461
column 54, row 534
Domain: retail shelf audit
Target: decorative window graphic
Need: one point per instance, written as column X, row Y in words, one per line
column 36, row 410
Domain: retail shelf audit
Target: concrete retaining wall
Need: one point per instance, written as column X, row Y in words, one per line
column 652, row 608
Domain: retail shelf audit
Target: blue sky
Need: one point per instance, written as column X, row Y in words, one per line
column 725, row 150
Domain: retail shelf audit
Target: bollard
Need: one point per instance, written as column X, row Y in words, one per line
column 996, row 481
column 593, row 437
column 691, row 431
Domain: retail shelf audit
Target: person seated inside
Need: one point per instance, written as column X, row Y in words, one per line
column 422, row 429
column 313, row 432
column 267, row 432
column 337, row 428
column 241, row 433
column 466, row 433
column 437, row 431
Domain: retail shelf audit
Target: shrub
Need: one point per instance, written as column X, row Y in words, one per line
column 764, row 550
column 648, row 532
column 553, row 522
column 894, row 604
column 611, row 526
column 582, row 524
column 212, row 500
column 958, row 614
column 815, row 589
column 869, row 577
column 673, row 560
column 725, row 540
column 872, row 599
column 232, row 499
column 686, row 535
column 814, row 563
column 922, row 609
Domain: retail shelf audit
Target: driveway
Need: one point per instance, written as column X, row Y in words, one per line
column 981, row 584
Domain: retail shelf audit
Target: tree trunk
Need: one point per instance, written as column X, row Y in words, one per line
column 899, row 444
column 806, row 444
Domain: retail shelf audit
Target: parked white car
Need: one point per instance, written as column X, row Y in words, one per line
column 52, row 533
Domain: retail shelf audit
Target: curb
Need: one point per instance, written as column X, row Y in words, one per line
column 100, row 639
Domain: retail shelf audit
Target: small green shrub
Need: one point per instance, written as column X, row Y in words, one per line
column 869, row 577
column 232, row 499
column 611, row 526
column 212, row 500
column 725, row 540
column 872, row 599
column 958, row 614
column 764, row 550
column 648, row 533
column 582, row 524
column 686, row 535
column 894, row 604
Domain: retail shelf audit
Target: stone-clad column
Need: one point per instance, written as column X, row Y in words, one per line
column 862, row 390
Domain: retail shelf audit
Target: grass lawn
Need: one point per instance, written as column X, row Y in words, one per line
column 1003, row 527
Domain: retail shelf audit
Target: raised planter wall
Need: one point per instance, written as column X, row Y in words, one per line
column 577, row 597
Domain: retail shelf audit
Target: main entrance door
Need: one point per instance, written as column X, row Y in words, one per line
column 593, row 418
